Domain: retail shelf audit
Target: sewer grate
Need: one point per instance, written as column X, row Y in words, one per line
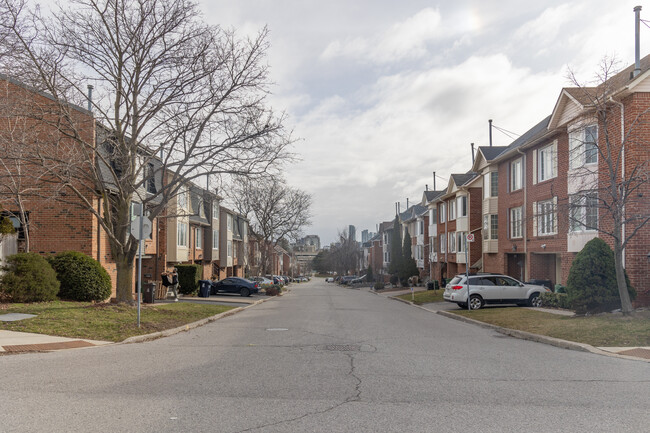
column 342, row 348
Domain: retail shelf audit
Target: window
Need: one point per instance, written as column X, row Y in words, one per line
column 515, row 222
column 461, row 203
column 229, row 222
column 494, row 184
column 547, row 162
column 583, row 146
column 433, row 216
column 443, row 212
column 452, row 210
column 452, row 243
column 443, row 243
column 433, row 244
column 421, row 227
column 386, row 256
column 494, row 227
column 229, row 248
column 181, row 238
column 215, row 239
column 198, row 238
column 461, row 241
column 546, row 219
column 583, row 214
column 515, row 175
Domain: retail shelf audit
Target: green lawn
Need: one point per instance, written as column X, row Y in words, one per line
column 602, row 330
column 107, row 322
column 423, row 297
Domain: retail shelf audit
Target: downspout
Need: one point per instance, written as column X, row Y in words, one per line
column 523, row 214
column 620, row 104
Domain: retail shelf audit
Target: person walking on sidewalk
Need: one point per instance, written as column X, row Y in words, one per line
column 170, row 280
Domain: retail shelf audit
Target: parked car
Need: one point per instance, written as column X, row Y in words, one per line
column 347, row 279
column 235, row 285
column 492, row 289
column 262, row 281
column 329, row 279
column 358, row 280
column 275, row 279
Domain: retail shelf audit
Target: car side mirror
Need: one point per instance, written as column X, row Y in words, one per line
column 521, row 284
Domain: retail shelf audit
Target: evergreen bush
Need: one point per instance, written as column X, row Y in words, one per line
column 188, row 278
column 369, row 276
column 555, row 300
column 28, row 277
column 82, row 278
column 591, row 286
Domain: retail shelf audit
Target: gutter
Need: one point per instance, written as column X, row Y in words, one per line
column 524, row 213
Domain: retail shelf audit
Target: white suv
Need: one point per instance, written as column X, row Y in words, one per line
column 492, row 289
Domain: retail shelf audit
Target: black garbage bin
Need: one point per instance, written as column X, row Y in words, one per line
column 430, row 285
column 204, row 288
column 148, row 293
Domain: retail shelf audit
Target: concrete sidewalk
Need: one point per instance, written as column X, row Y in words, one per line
column 12, row 341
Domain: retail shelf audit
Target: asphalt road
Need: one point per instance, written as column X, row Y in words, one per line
column 325, row 359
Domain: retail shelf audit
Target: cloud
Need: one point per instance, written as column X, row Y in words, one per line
column 408, row 39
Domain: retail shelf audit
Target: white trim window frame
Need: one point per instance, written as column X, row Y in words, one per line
column 516, row 215
column 229, row 248
column 452, row 209
column 516, row 174
column 443, row 243
column 181, row 238
column 198, row 238
column 583, row 212
column 452, row 243
column 547, row 162
column 546, row 217
column 461, row 205
column 583, row 146
column 461, row 242
column 215, row 239
column 443, row 212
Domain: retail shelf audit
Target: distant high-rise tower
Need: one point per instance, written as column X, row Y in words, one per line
column 352, row 233
column 364, row 236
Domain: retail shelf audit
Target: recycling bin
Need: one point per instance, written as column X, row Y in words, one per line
column 148, row 293
column 204, row 288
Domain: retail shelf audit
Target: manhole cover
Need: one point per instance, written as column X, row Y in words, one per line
column 342, row 348
column 277, row 329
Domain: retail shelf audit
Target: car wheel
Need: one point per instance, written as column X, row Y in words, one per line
column 245, row 292
column 535, row 300
column 475, row 302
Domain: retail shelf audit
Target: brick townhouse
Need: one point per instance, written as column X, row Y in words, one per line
column 459, row 213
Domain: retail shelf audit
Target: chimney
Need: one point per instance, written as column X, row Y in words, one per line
column 426, row 187
column 90, row 97
column 637, row 43
column 434, row 180
column 407, row 203
column 490, row 122
column 472, row 153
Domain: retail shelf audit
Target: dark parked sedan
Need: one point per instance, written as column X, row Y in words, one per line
column 235, row 285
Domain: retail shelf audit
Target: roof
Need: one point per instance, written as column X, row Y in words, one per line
column 462, row 179
column 491, row 152
column 432, row 195
column 386, row 225
column 413, row 212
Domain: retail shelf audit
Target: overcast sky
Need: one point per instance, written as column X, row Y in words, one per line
column 383, row 93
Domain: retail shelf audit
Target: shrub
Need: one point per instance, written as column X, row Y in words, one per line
column 273, row 290
column 394, row 279
column 379, row 285
column 555, row 300
column 591, row 286
column 28, row 278
column 188, row 278
column 82, row 278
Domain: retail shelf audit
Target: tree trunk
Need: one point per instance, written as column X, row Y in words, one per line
column 626, row 304
column 124, row 285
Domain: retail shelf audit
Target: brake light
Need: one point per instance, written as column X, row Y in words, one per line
column 456, row 287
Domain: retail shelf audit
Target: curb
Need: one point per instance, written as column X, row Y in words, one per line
column 523, row 335
column 188, row 326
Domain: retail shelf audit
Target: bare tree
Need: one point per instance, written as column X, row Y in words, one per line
column 607, row 170
column 277, row 211
column 173, row 98
column 344, row 255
